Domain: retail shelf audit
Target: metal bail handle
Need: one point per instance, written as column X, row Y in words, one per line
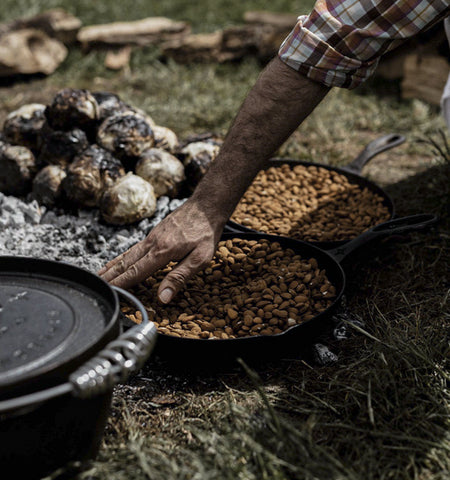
column 119, row 359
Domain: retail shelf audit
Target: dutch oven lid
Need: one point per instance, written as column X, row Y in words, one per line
column 53, row 316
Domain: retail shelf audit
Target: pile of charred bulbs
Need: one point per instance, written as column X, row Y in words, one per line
column 90, row 149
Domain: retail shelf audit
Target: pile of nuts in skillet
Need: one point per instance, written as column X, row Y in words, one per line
column 250, row 288
column 309, row 203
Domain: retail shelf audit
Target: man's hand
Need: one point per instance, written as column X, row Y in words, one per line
column 189, row 235
column 280, row 100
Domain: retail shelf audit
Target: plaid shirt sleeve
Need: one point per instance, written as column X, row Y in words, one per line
column 340, row 42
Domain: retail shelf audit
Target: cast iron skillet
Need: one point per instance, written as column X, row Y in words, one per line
column 292, row 342
column 352, row 171
column 61, row 355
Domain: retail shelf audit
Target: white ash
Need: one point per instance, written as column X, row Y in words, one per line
column 30, row 230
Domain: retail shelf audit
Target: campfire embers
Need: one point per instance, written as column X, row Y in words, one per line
column 92, row 150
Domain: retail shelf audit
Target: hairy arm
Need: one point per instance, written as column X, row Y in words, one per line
column 277, row 104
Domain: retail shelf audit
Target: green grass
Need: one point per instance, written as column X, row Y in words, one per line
column 381, row 412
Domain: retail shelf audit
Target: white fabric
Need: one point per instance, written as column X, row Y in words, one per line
column 445, row 100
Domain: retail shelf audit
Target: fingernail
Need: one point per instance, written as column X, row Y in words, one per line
column 166, row 295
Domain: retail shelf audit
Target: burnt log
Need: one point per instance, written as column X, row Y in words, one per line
column 148, row 31
column 56, row 23
column 29, row 51
column 261, row 36
column 280, row 21
column 200, row 47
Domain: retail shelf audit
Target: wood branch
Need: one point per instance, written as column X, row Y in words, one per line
column 29, row 51
column 425, row 77
column 118, row 59
column 201, row 47
column 148, row 31
column 241, row 40
column 232, row 43
column 56, row 23
column 281, row 21
column 270, row 43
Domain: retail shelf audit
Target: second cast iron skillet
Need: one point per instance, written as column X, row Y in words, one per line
column 353, row 173
column 292, row 342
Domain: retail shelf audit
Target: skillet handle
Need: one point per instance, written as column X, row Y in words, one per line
column 120, row 358
column 230, row 228
column 396, row 226
column 379, row 145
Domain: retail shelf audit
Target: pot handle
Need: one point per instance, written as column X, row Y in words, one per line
column 375, row 147
column 112, row 365
column 119, row 359
column 396, row 226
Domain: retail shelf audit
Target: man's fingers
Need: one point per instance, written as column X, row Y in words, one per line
column 111, row 263
column 177, row 278
column 171, row 240
column 139, row 271
column 123, row 262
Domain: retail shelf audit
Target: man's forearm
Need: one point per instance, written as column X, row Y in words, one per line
column 278, row 103
column 280, row 100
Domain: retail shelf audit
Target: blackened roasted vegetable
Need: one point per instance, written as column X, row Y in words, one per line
column 109, row 104
column 126, row 135
column 90, row 174
column 129, row 200
column 73, row 108
column 197, row 159
column 17, row 169
column 165, row 138
column 47, row 185
column 24, row 125
column 60, row 147
column 164, row 171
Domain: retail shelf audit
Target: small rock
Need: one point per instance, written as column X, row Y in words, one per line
column 323, row 355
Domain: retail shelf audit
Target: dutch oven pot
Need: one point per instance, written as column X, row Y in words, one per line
column 353, row 173
column 296, row 340
column 61, row 354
